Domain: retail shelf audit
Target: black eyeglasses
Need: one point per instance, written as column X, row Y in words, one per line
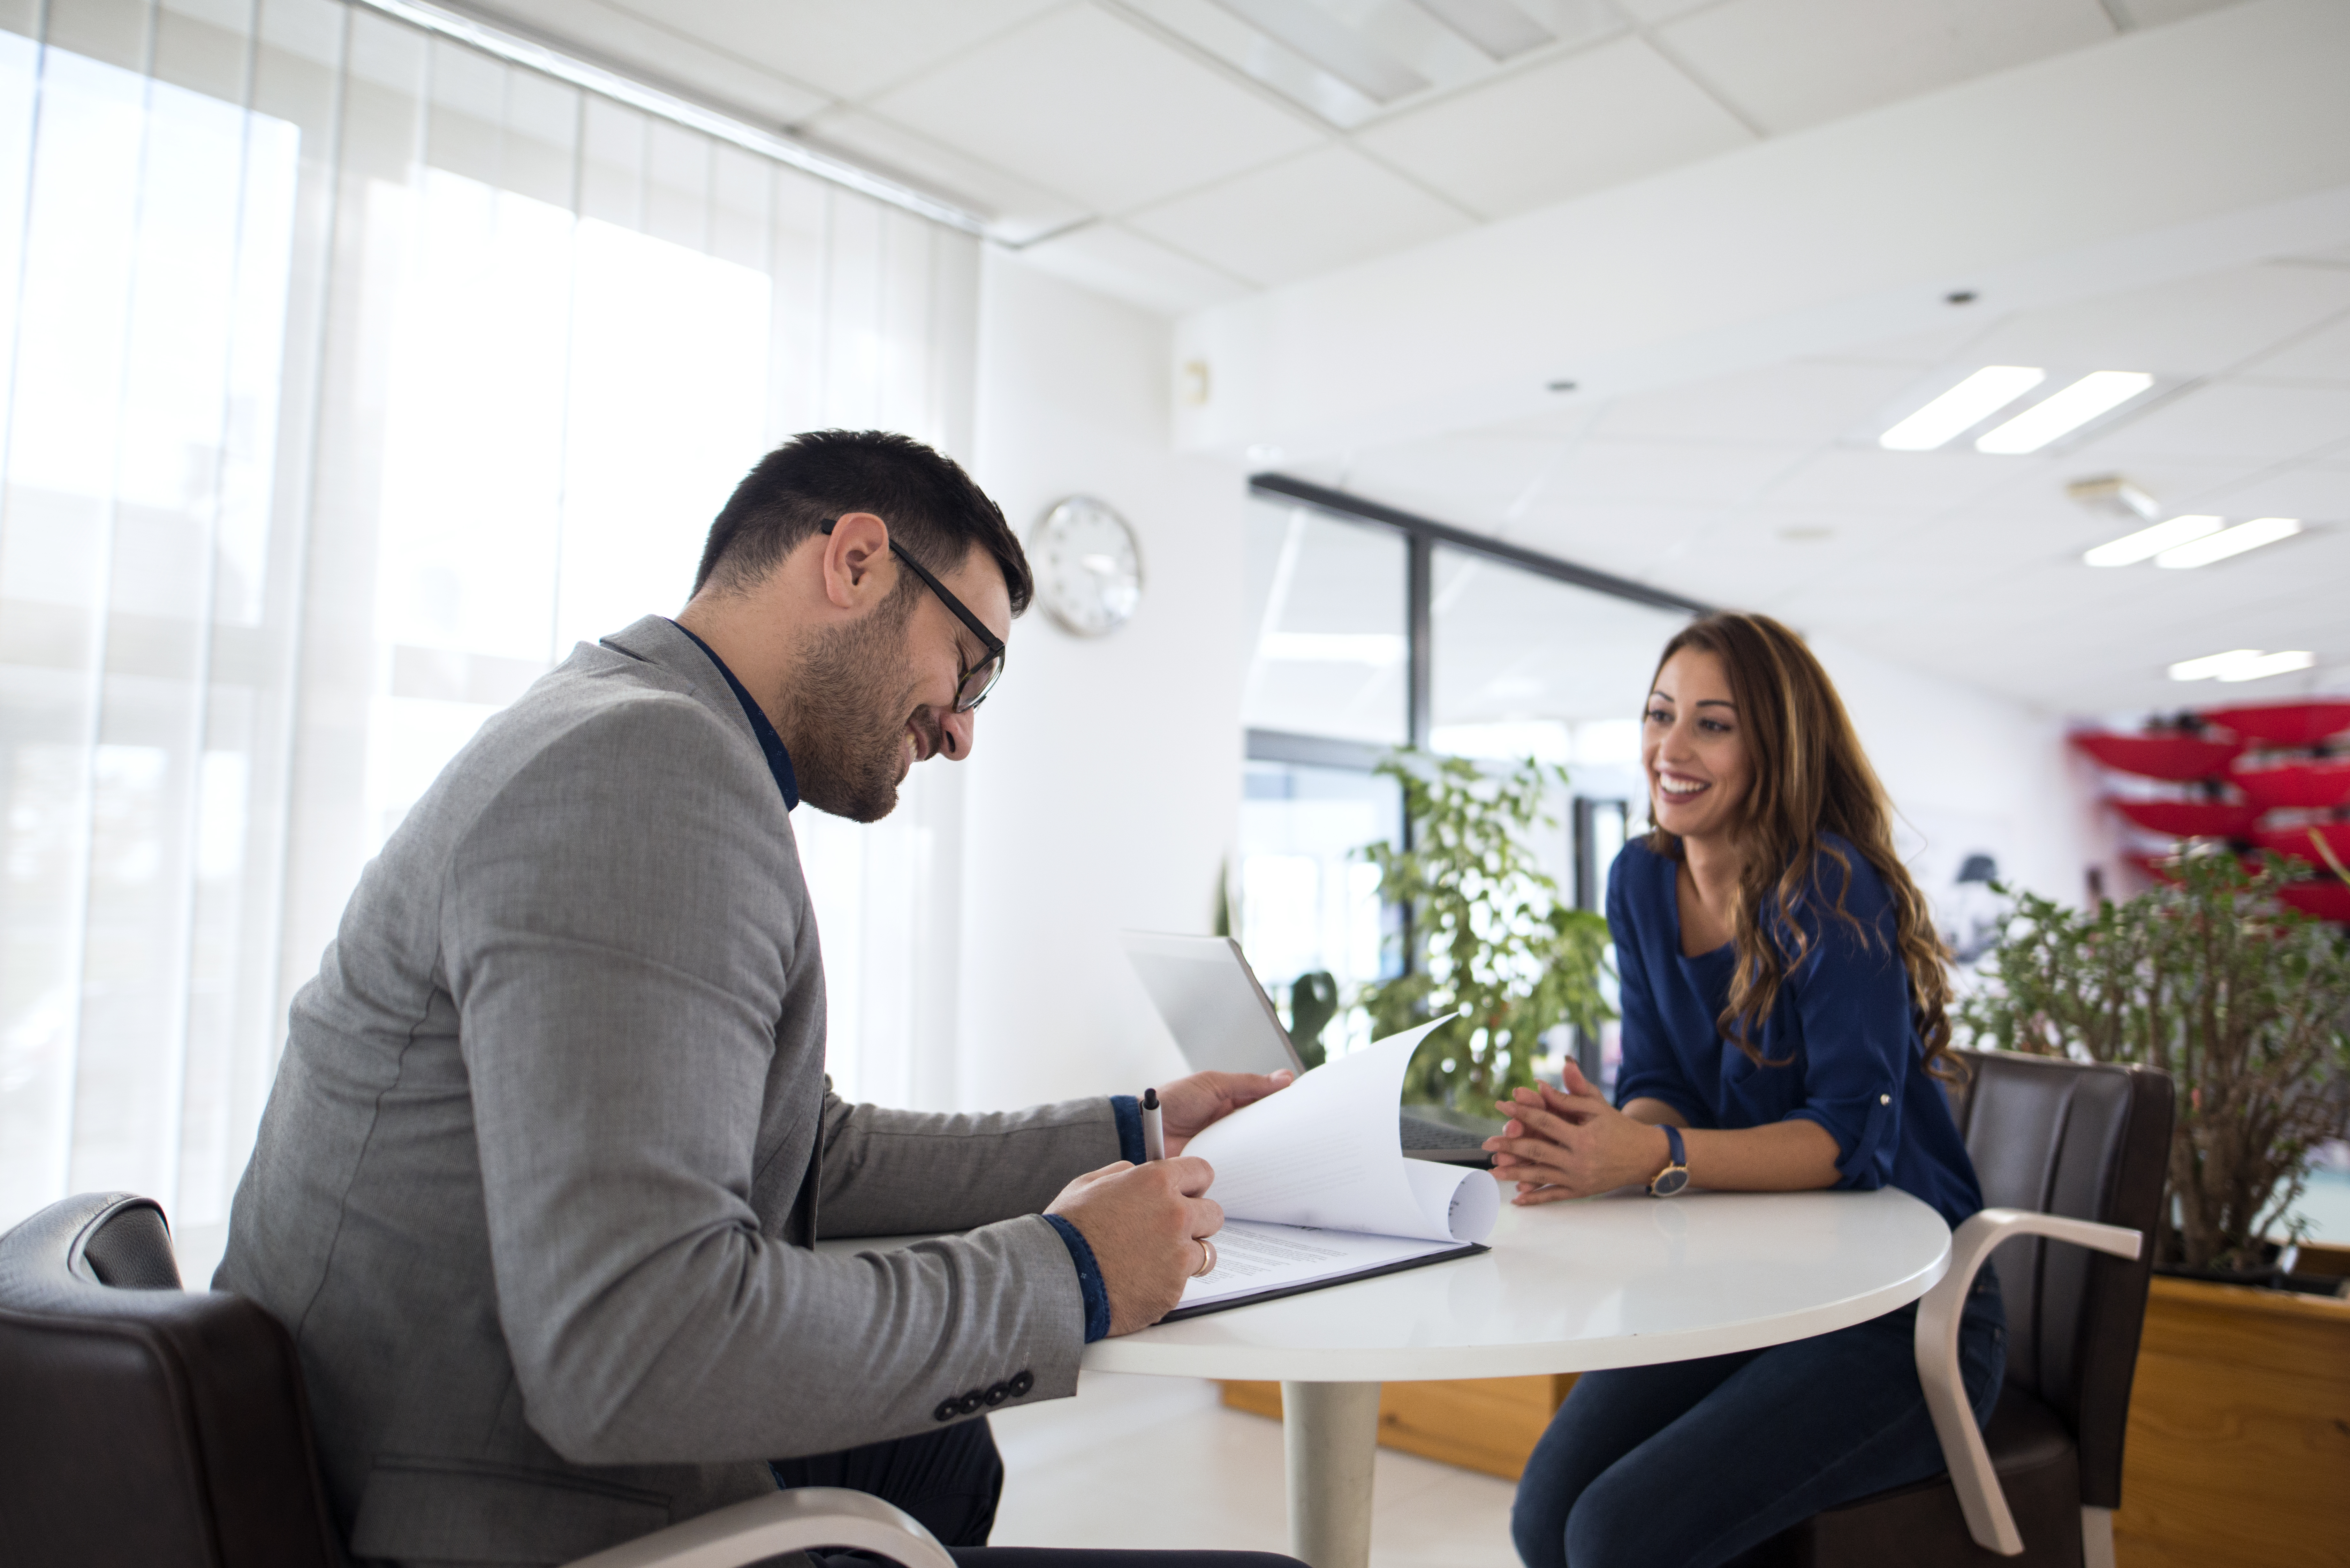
column 976, row 680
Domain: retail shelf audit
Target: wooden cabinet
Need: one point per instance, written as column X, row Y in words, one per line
column 2238, row 1448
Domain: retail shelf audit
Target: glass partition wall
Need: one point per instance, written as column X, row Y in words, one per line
column 1373, row 630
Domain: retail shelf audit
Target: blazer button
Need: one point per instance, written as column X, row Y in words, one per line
column 1022, row 1384
column 948, row 1411
column 970, row 1402
column 997, row 1393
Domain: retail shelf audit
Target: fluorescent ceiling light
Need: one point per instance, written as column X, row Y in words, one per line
column 2234, row 541
column 2241, row 664
column 1496, row 26
column 2067, row 411
column 1968, row 403
column 1331, row 45
column 1379, row 649
column 2147, row 543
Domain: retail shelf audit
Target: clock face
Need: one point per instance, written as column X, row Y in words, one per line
column 1089, row 571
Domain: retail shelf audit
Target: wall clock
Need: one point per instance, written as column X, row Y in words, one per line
column 1088, row 567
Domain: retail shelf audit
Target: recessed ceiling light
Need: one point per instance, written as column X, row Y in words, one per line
column 1807, row 533
column 2229, row 541
column 1332, row 44
column 2064, row 412
column 2147, row 543
column 1496, row 27
column 2241, row 664
column 1968, row 403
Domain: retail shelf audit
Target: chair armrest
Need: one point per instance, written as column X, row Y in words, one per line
column 1985, row 1505
column 793, row 1521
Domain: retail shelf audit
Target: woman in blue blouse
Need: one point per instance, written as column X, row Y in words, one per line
column 1783, row 1001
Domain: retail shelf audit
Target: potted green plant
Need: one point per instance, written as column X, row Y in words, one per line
column 2240, row 999
column 1491, row 938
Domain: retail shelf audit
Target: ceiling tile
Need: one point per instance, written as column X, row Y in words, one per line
column 1537, row 136
column 2323, row 354
column 1085, row 105
column 1310, row 214
column 846, row 48
column 1916, row 484
column 2241, row 420
column 1472, row 481
column 2315, row 494
column 1663, row 472
column 1923, row 348
column 1016, row 211
column 1118, row 262
column 647, row 49
column 1793, row 63
column 2194, row 327
column 1808, row 400
column 2154, row 12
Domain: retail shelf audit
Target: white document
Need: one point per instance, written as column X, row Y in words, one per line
column 1314, row 1185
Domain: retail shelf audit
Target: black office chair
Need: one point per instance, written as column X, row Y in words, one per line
column 149, row 1427
column 2066, row 1151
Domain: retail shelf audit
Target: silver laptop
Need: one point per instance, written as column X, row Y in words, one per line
column 1223, row 1021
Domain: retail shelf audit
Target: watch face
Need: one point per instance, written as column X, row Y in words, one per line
column 1668, row 1183
column 1089, row 571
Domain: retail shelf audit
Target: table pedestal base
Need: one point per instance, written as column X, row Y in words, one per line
column 1330, row 1434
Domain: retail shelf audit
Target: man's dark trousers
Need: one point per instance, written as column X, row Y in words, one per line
column 949, row 1479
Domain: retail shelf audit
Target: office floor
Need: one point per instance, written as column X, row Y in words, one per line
column 1157, row 1462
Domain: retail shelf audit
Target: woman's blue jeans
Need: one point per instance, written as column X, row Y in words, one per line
column 1688, row 1464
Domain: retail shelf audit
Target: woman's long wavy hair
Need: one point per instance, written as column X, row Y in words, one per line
column 1807, row 776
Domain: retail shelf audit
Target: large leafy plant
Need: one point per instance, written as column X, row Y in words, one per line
column 1490, row 936
column 2242, row 1001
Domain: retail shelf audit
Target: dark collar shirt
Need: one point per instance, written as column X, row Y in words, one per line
column 1841, row 1028
column 779, row 761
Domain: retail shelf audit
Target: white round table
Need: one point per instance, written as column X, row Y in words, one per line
column 1620, row 1281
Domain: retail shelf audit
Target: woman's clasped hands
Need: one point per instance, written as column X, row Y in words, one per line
column 1571, row 1143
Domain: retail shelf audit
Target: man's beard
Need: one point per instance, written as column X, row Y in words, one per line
column 846, row 739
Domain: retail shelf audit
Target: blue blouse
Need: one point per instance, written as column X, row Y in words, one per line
column 1854, row 1063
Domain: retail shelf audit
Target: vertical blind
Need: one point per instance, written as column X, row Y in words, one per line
column 352, row 376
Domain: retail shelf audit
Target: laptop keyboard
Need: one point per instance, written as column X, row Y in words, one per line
column 1419, row 1132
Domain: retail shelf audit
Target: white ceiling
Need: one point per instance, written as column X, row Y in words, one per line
column 1176, row 153
column 1767, row 491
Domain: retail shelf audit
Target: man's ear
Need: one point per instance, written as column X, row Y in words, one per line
column 854, row 554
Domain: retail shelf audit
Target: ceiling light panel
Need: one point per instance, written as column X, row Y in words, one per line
column 2229, row 541
column 1351, row 60
column 2241, row 664
column 2062, row 412
column 1499, row 27
column 1962, row 408
column 1333, row 46
column 2149, row 543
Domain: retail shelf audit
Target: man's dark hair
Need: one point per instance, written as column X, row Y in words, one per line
column 934, row 511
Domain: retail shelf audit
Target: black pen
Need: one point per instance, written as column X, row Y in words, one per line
column 1154, row 1142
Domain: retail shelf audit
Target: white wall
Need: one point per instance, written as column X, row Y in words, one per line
column 1971, row 772
column 1104, row 789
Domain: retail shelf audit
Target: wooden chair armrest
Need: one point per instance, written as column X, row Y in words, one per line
column 796, row 1521
column 1989, row 1519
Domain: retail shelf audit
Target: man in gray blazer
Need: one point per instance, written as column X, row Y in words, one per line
column 551, row 1138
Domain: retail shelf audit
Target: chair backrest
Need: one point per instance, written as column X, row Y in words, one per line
column 2090, row 1141
column 145, row 1424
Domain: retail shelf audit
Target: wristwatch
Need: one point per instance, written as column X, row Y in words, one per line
column 1674, row 1176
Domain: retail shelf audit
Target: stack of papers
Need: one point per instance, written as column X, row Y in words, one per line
column 1316, row 1188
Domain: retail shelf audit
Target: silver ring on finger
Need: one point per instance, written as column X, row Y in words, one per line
column 1207, row 1259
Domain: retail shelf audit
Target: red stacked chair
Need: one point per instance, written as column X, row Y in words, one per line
column 2269, row 777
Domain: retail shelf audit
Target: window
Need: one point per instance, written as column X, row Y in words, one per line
column 355, row 376
column 1516, row 655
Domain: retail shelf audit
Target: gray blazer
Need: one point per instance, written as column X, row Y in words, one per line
column 551, row 1137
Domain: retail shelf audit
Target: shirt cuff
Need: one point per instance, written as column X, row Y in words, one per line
column 1128, row 1111
column 1090, row 1275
